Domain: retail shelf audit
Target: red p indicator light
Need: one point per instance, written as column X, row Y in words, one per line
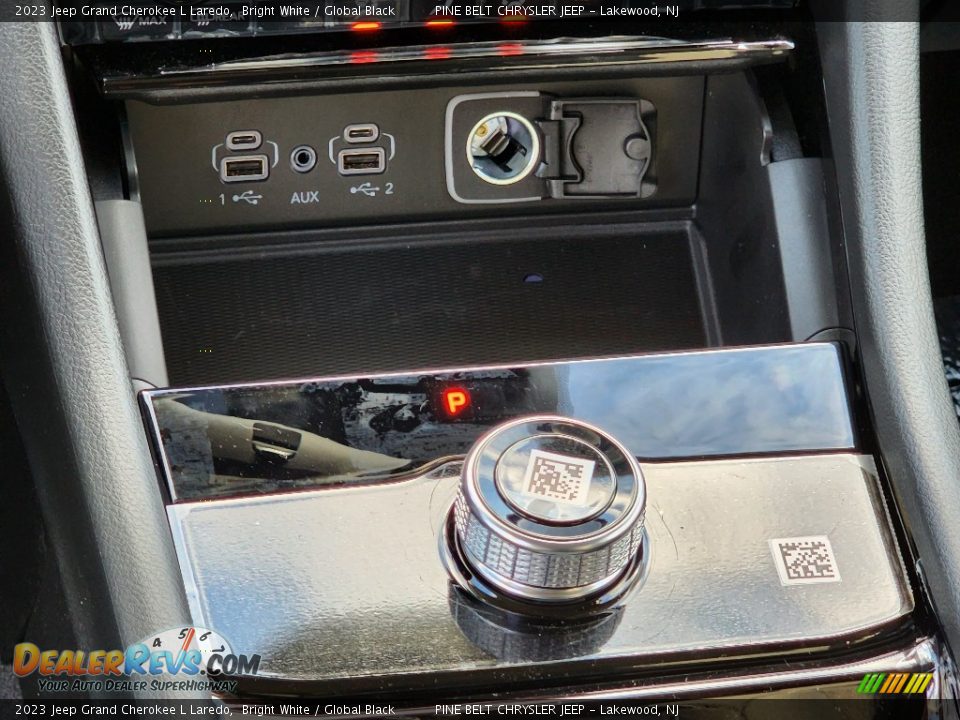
column 455, row 400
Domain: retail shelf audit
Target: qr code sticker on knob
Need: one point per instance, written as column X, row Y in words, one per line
column 558, row 477
column 805, row 560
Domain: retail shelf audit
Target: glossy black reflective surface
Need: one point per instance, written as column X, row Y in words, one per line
column 220, row 441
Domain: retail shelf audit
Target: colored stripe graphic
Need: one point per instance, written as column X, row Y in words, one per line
column 900, row 683
column 887, row 683
column 894, row 683
column 865, row 683
column 915, row 680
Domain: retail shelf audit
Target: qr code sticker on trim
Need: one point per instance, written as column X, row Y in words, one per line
column 805, row 560
column 560, row 478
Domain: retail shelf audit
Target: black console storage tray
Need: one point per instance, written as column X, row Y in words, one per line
column 455, row 299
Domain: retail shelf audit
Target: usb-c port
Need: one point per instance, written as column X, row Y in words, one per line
column 361, row 133
column 240, row 140
column 369, row 161
column 245, row 168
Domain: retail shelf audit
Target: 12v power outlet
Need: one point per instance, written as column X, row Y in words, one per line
column 503, row 148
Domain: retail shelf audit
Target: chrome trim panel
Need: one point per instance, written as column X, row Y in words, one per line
column 923, row 656
column 348, row 582
column 828, row 680
column 614, row 50
column 397, row 62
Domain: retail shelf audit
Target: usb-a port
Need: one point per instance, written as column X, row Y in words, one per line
column 244, row 168
column 368, row 161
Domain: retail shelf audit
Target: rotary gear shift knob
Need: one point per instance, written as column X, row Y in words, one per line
column 550, row 509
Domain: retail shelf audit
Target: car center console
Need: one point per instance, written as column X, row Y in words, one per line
column 335, row 526
column 516, row 360
column 558, row 214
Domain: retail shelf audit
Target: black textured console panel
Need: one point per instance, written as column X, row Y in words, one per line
column 363, row 308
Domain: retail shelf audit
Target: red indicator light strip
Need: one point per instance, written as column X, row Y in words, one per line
column 360, row 57
column 437, row 53
column 366, row 25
